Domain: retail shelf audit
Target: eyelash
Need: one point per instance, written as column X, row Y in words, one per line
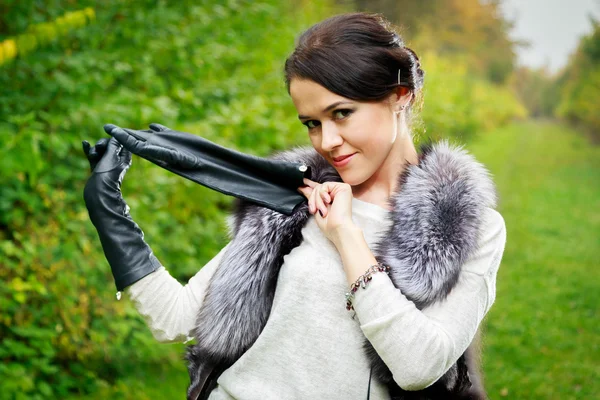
column 342, row 110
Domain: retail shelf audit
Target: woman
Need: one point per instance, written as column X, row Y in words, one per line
column 277, row 313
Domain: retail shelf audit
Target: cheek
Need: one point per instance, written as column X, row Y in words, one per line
column 383, row 130
column 372, row 122
column 372, row 133
column 315, row 143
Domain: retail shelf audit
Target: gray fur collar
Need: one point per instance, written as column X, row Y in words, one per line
column 436, row 222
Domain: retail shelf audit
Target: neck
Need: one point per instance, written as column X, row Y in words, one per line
column 384, row 182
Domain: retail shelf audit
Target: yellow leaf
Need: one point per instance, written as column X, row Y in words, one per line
column 10, row 49
column 18, row 285
column 90, row 13
column 20, row 297
column 26, row 43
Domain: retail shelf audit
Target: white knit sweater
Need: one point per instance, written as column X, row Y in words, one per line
column 311, row 346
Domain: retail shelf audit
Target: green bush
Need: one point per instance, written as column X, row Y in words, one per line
column 580, row 84
column 461, row 104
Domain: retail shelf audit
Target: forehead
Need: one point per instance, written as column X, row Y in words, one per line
column 308, row 96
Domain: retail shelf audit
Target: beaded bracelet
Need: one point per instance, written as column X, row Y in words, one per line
column 362, row 282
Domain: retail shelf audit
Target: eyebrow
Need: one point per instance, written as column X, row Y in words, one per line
column 328, row 108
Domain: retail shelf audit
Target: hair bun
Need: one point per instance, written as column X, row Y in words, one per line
column 418, row 73
column 356, row 55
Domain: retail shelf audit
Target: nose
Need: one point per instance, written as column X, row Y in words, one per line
column 330, row 136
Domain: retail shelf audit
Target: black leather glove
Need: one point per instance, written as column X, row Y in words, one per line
column 267, row 182
column 130, row 258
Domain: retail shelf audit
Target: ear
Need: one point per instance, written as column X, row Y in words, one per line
column 402, row 97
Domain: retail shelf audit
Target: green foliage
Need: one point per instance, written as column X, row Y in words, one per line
column 538, row 91
column 460, row 104
column 45, row 33
column 580, row 84
column 17, row 16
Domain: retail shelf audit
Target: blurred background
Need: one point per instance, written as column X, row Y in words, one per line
column 518, row 82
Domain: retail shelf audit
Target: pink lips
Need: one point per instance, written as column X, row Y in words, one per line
column 342, row 160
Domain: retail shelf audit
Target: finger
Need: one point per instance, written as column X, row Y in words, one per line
column 128, row 141
column 139, row 135
column 158, row 127
column 86, row 147
column 318, row 210
column 100, row 145
column 93, row 155
column 171, row 156
column 108, row 128
column 325, row 196
column 310, row 183
column 316, row 202
column 319, row 201
column 124, row 155
column 114, row 146
column 305, row 191
column 167, row 155
column 311, row 202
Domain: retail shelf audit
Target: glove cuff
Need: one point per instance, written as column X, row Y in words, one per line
column 129, row 256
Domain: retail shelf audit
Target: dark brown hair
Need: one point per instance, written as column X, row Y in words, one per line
column 355, row 55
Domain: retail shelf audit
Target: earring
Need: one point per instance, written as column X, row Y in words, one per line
column 396, row 114
column 395, row 127
column 399, row 111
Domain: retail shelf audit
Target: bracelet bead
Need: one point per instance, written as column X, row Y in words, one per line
column 362, row 282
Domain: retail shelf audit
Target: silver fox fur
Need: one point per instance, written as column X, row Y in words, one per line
column 436, row 223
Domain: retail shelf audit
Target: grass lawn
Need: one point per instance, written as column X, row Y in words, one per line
column 542, row 334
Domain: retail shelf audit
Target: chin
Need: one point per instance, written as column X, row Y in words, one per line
column 352, row 179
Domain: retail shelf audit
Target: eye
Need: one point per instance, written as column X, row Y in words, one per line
column 342, row 113
column 311, row 124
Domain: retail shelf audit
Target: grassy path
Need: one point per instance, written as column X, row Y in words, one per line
column 542, row 335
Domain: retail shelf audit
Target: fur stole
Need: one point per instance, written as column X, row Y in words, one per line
column 437, row 218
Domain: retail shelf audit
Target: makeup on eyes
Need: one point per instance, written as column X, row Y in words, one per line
column 347, row 111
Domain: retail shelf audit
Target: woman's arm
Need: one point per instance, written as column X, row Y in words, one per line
column 419, row 346
column 168, row 307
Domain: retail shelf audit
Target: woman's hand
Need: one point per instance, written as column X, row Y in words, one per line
column 130, row 258
column 331, row 202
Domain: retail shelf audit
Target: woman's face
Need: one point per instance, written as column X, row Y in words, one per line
column 338, row 126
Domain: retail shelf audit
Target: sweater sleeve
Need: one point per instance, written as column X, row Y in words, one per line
column 419, row 346
column 168, row 307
